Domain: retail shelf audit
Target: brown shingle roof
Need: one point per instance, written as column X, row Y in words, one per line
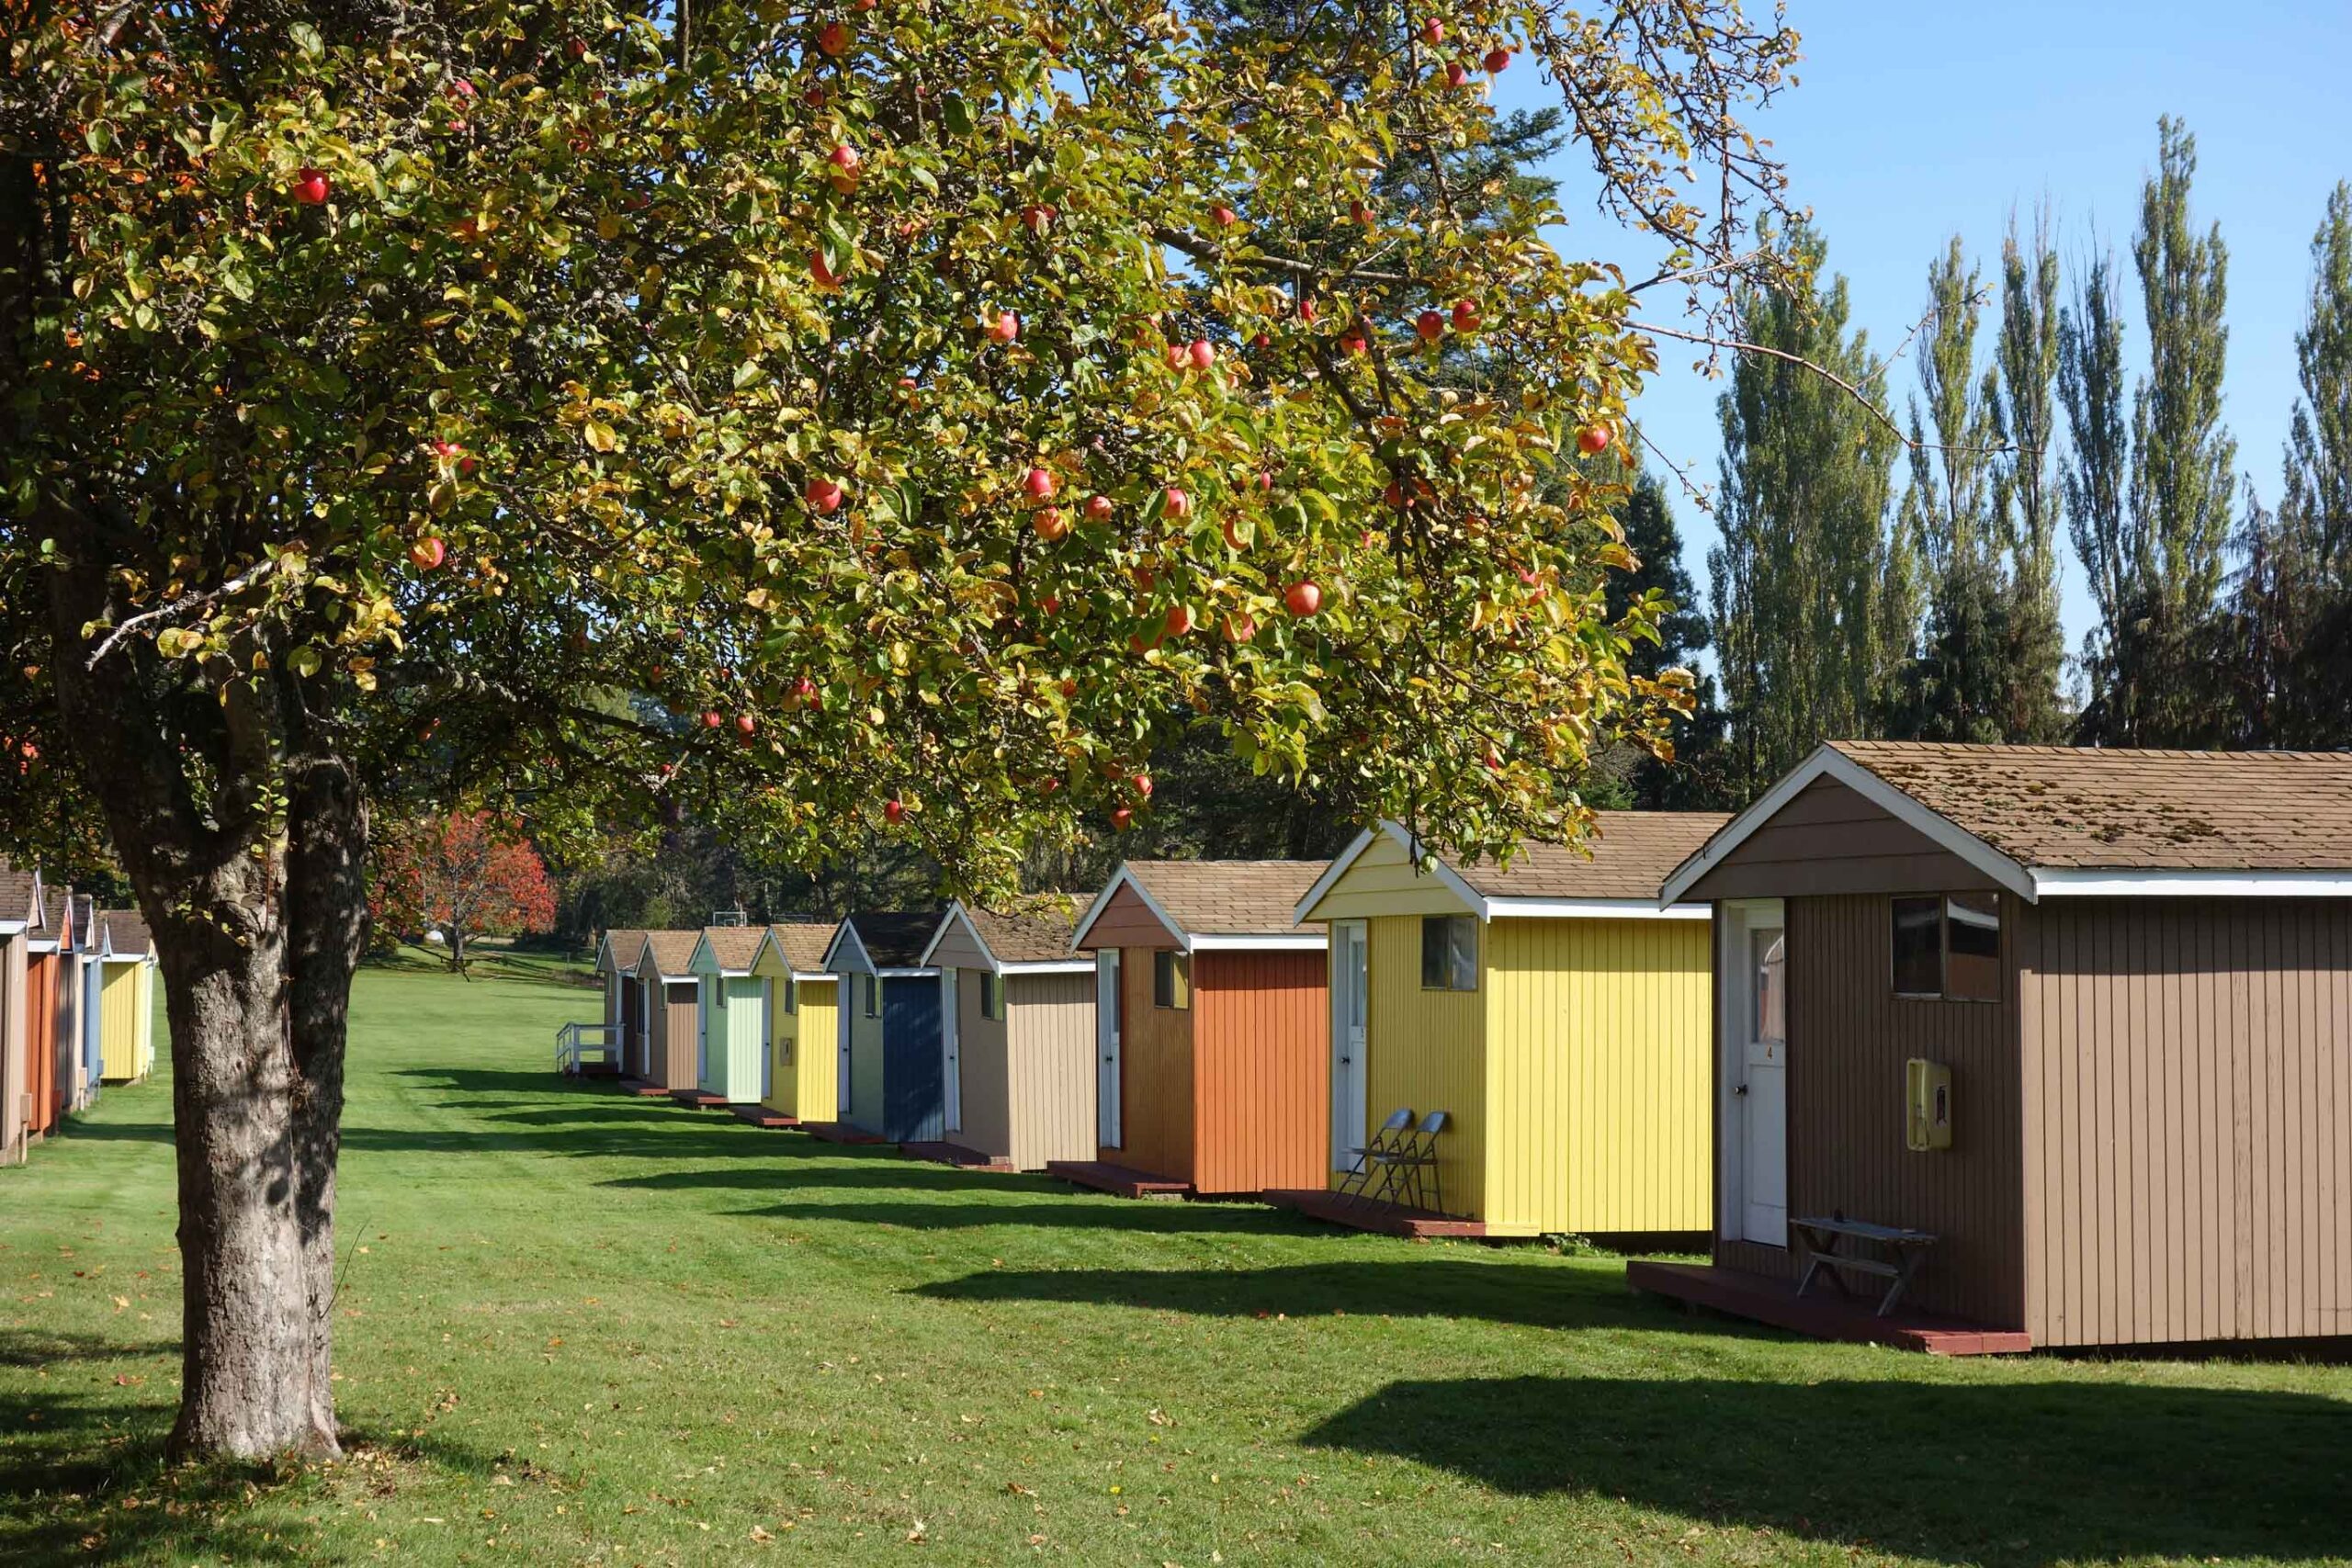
column 126, row 930
column 672, row 952
column 16, row 894
column 56, row 918
column 1628, row 856
column 804, row 943
column 1036, row 931
column 1229, row 897
column 734, row 946
column 895, row 940
column 627, row 945
column 2078, row 807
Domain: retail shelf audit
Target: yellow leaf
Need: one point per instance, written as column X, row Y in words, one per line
column 599, row 435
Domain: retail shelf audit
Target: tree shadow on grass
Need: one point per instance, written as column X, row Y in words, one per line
column 1528, row 1295
column 1055, row 1207
column 2021, row 1473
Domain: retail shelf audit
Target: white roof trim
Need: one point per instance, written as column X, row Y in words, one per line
column 846, row 932
column 44, row 944
column 1287, row 941
column 1123, row 877
column 1826, row 762
column 906, row 974
column 814, row 975
column 10, row 928
column 2092, row 882
column 1048, row 967
column 1593, row 909
column 956, row 911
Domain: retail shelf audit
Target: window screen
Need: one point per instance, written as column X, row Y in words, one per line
column 1919, row 947
column 1450, row 952
column 874, row 996
column 992, row 997
column 1171, row 981
column 791, row 994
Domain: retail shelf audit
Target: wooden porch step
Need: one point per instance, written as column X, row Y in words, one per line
column 763, row 1116
column 955, row 1154
column 1765, row 1299
column 838, row 1132
column 642, row 1089
column 699, row 1099
column 1117, row 1180
column 1383, row 1219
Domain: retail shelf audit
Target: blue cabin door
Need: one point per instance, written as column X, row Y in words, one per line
column 94, row 1052
column 914, row 1086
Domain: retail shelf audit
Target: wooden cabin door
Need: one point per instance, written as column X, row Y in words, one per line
column 1350, row 1016
column 1106, row 1037
column 951, row 1043
column 1762, row 1093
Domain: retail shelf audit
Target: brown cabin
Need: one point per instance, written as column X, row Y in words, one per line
column 669, row 1018
column 1019, row 1011
column 23, row 921
column 616, row 957
column 1214, row 1025
column 2084, row 1017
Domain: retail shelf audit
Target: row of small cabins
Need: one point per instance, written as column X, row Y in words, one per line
column 2060, row 1040
column 78, row 1006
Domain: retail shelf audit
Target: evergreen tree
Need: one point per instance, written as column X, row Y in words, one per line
column 2094, row 475
column 2026, row 503
column 1693, row 780
column 1813, row 600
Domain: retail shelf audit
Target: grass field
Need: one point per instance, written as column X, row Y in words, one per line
column 579, row 1329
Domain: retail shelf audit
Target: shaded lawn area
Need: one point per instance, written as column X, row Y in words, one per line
column 580, row 1329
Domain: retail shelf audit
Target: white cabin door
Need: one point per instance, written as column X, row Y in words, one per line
column 1106, row 1037
column 1350, row 1014
column 950, row 1043
column 1763, row 1092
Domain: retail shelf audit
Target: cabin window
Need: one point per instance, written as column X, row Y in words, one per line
column 1450, row 952
column 791, row 995
column 874, row 996
column 991, row 995
column 1949, row 947
column 1172, row 980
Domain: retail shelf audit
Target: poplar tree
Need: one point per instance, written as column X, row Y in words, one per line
column 2026, row 502
column 1812, row 600
column 2094, row 475
column 1957, row 689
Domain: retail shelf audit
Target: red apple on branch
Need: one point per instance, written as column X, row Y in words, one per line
column 1593, row 440
column 1465, row 316
column 824, row 496
column 311, row 188
column 1004, row 327
column 847, row 167
column 1176, row 504
column 1304, row 598
column 1040, row 484
column 428, row 553
column 1050, row 523
column 1430, row 325
column 1098, row 509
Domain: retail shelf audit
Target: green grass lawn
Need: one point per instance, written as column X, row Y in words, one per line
column 580, row 1329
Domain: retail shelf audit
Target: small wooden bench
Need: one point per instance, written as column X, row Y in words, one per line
column 1821, row 1237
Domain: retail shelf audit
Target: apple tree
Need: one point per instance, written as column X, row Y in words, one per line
column 895, row 414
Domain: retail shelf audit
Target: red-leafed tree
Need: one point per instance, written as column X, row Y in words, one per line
column 464, row 875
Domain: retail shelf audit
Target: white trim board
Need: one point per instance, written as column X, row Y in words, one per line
column 1288, row 942
column 2091, row 882
column 1050, row 966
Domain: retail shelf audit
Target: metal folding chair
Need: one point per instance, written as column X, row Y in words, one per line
column 1354, row 1184
column 1409, row 1173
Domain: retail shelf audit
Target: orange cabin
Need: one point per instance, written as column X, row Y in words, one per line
column 1213, row 1019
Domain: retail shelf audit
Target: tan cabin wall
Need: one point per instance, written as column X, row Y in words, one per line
column 13, row 1075
column 1828, row 841
column 1850, row 1037
column 1051, row 1019
column 672, row 1049
column 1156, row 1106
column 2188, row 1161
column 984, row 1061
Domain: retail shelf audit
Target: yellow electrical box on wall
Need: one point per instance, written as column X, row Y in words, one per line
column 1927, row 1104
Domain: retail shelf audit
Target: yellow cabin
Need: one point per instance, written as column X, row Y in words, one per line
column 126, row 957
column 804, row 1068
column 1553, row 1011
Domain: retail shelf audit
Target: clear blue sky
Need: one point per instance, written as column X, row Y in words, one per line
column 1912, row 122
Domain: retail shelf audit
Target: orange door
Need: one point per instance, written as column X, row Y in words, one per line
column 40, row 1042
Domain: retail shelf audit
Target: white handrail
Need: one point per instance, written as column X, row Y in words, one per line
column 573, row 1042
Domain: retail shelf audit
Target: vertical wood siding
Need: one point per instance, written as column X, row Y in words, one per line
column 742, row 1042
column 678, row 1025
column 1598, row 1079
column 1849, row 1037
column 914, row 1067
column 124, row 998
column 984, row 1073
column 632, row 1027
column 806, row 1081
column 1262, row 1033
column 40, row 1042
column 1155, row 1075
column 12, row 1048
column 865, row 1074
column 1050, row 1019
column 2189, row 1163
column 1426, row 1050
column 1830, row 840
column 1127, row 922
